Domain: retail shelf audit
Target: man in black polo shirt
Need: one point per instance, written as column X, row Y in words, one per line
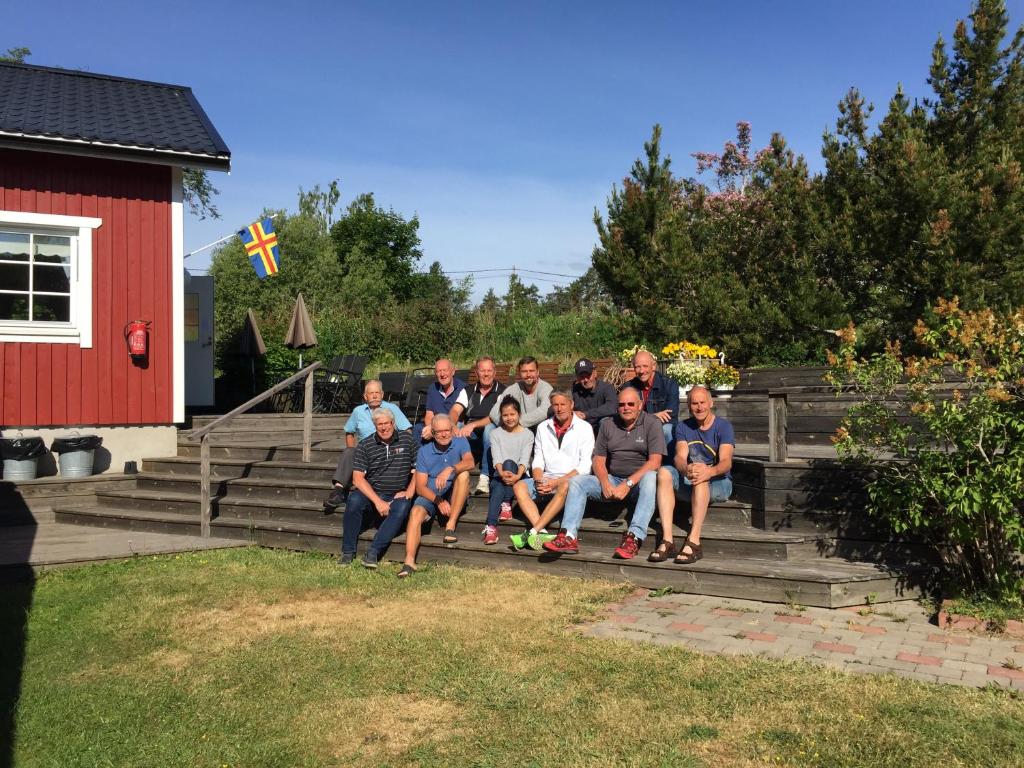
column 383, row 485
column 478, row 427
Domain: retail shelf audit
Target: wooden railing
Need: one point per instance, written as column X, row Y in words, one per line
column 203, row 435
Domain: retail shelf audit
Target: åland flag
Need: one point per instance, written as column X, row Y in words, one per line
column 261, row 247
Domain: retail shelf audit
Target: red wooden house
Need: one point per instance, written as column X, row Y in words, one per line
column 91, row 238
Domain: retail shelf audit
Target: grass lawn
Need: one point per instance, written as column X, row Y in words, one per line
column 261, row 658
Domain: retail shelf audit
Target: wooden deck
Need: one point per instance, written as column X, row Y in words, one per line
column 27, row 549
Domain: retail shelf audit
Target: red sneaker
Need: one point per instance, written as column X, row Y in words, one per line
column 491, row 534
column 506, row 511
column 565, row 545
column 628, row 548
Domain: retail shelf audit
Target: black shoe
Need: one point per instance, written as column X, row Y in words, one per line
column 335, row 500
column 346, row 558
column 370, row 560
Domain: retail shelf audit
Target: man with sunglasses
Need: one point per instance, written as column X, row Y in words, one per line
column 627, row 455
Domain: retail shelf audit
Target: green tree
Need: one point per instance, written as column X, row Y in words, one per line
column 520, row 297
column 367, row 234
column 16, row 55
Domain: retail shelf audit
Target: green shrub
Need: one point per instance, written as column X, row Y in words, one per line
column 944, row 433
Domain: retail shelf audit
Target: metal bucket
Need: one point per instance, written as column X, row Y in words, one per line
column 23, row 469
column 76, row 463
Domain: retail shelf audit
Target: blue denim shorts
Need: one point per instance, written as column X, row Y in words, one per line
column 431, row 506
column 721, row 487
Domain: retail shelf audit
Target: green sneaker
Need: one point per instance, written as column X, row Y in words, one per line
column 519, row 539
column 537, row 540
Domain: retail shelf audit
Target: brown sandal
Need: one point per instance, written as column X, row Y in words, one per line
column 696, row 553
column 665, row 551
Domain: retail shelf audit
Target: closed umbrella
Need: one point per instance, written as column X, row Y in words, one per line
column 300, row 334
column 251, row 344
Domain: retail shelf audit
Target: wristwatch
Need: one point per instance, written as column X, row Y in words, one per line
column 629, row 482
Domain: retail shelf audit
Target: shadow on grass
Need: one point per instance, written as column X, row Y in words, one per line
column 17, row 585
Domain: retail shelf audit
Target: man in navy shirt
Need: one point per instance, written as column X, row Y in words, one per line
column 702, row 473
column 660, row 394
column 383, row 483
column 446, row 395
column 442, row 486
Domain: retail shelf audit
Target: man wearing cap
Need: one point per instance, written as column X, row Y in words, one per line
column 482, row 397
column 593, row 399
column 359, row 427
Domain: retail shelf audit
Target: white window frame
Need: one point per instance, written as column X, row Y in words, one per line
column 79, row 329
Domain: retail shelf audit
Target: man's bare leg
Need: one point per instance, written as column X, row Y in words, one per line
column 700, row 497
column 554, row 507
column 412, row 533
column 526, row 504
column 460, row 492
column 666, row 505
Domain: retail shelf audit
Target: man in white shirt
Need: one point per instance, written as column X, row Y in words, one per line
column 562, row 450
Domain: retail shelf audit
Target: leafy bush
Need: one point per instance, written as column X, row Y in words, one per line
column 944, row 433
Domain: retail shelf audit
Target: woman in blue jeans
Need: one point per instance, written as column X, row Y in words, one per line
column 511, row 446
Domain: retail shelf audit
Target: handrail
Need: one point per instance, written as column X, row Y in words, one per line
column 203, row 435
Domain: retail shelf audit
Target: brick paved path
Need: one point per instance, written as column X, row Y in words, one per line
column 892, row 638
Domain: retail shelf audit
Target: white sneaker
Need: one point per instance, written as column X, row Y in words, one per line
column 483, row 486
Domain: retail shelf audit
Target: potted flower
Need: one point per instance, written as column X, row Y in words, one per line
column 687, row 373
column 721, row 377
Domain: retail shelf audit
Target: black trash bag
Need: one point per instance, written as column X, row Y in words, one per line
column 76, row 443
column 21, row 448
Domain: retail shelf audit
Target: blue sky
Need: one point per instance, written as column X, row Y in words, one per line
column 502, row 125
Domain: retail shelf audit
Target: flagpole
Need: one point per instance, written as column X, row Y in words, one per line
column 216, row 242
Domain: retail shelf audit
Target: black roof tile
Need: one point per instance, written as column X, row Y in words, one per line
column 74, row 107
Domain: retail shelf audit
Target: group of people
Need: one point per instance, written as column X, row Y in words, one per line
column 546, row 450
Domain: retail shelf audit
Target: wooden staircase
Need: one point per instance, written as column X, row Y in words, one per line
column 779, row 540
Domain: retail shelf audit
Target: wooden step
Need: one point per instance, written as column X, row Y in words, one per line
column 829, row 583
column 603, row 526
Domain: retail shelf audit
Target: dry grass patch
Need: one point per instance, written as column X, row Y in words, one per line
column 496, row 605
column 363, row 731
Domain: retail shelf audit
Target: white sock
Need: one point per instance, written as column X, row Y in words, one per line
column 533, row 532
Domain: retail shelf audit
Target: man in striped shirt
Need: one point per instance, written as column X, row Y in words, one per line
column 383, row 485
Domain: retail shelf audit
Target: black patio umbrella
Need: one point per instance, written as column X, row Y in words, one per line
column 300, row 334
column 251, row 345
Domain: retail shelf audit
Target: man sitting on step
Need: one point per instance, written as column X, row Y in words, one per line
column 359, row 427
column 627, row 455
column 442, row 486
column 703, row 460
column 530, row 391
column 383, row 485
column 482, row 397
column 446, row 394
column 562, row 449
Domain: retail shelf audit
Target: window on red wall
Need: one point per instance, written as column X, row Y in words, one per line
column 46, row 278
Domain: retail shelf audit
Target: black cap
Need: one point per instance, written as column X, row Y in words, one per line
column 584, row 367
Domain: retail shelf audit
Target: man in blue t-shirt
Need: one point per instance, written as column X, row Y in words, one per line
column 702, row 473
column 442, row 486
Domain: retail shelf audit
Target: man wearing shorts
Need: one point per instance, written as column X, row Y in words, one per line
column 442, row 486
column 562, row 449
column 705, row 444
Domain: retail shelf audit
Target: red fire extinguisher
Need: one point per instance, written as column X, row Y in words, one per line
column 136, row 336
